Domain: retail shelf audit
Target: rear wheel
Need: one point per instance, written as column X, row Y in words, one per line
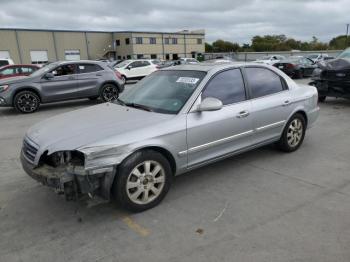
column 142, row 181
column 124, row 79
column 26, row 102
column 293, row 134
column 109, row 92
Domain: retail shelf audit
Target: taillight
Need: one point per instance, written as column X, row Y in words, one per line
column 119, row 75
column 157, row 67
column 289, row 66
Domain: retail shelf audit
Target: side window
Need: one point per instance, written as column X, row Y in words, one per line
column 145, row 63
column 88, row 68
column 26, row 70
column 263, row 82
column 228, row 86
column 8, row 71
column 135, row 64
column 64, row 70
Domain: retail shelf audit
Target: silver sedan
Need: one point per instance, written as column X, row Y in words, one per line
column 172, row 121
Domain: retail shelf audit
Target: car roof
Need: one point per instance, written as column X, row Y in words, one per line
column 211, row 66
column 81, row 61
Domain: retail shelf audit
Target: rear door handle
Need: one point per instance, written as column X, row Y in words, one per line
column 286, row 103
column 243, row 114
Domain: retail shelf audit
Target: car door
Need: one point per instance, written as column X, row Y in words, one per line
column 271, row 103
column 134, row 70
column 309, row 66
column 88, row 76
column 213, row 134
column 63, row 85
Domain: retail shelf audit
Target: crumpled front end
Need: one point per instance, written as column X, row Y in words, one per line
column 72, row 173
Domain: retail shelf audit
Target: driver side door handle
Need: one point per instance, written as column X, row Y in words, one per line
column 242, row 114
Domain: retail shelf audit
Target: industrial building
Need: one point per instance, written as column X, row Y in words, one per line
column 29, row 46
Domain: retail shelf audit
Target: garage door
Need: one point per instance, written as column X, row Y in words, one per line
column 72, row 55
column 39, row 57
column 4, row 54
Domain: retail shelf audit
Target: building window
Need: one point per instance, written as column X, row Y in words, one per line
column 175, row 57
column 153, row 56
column 139, row 56
column 127, row 41
column 72, row 55
column 39, row 57
column 152, row 40
column 128, row 57
column 117, row 42
column 119, row 57
column 166, row 41
column 167, row 56
column 139, row 40
column 199, row 41
column 174, row 41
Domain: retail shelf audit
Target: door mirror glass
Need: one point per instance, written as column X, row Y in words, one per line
column 49, row 76
column 210, row 104
column 129, row 67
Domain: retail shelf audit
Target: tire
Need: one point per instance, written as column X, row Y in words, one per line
column 322, row 99
column 136, row 191
column 293, row 134
column 124, row 79
column 26, row 102
column 109, row 92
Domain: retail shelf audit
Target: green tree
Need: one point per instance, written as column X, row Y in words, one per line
column 225, row 46
column 208, row 48
column 339, row 42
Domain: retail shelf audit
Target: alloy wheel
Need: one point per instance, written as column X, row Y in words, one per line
column 295, row 132
column 145, row 182
column 27, row 103
column 110, row 93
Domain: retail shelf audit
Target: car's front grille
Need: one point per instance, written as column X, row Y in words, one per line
column 29, row 150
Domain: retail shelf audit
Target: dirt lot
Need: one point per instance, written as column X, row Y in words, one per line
column 260, row 206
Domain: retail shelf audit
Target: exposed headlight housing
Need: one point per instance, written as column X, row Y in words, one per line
column 4, row 88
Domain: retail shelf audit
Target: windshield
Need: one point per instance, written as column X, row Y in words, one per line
column 312, row 56
column 163, row 91
column 345, row 54
column 44, row 69
column 292, row 59
column 122, row 64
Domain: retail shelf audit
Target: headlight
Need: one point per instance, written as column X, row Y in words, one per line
column 4, row 88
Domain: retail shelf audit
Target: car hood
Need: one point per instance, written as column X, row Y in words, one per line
column 73, row 130
column 335, row 64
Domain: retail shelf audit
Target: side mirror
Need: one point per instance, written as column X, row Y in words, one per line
column 49, row 76
column 129, row 67
column 210, row 104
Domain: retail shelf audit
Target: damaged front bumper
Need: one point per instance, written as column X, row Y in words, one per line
column 72, row 181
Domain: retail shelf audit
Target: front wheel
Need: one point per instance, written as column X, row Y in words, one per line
column 142, row 181
column 26, row 102
column 109, row 92
column 293, row 134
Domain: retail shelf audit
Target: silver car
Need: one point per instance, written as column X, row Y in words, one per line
column 173, row 121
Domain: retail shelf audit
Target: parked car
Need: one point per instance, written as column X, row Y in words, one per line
column 17, row 70
column 318, row 57
column 332, row 78
column 60, row 81
column 136, row 69
column 6, row 61
column 115, row 62
column 176, row 119
column 188, row 60
column 296, row 66
column 270, row 60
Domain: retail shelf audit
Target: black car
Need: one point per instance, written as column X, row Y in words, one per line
column 332, row 78
column 296, row 66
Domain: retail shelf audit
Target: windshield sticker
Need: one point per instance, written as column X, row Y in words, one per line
column 187, row 80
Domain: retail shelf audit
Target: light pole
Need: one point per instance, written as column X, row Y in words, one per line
column 347, row 32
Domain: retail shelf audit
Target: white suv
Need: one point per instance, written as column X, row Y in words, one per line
column 136, row 69
column 6, row 61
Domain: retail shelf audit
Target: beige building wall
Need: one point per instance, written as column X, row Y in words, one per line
column 99, row 44
column 70, row 41
column 35, row 41
column 123, row 50
column 8, row 43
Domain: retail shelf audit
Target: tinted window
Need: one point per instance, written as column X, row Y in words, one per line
column 145, row 63
column 3, row 62
column 227, row 86
column 64, row 70
column 136, row 64
column 263, row 82
column 8, row 71
column 88, row 68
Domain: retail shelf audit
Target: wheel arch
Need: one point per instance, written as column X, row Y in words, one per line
column 32, row 89
column 111, row 82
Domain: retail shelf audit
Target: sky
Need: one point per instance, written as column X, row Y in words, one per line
column 231, row 20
